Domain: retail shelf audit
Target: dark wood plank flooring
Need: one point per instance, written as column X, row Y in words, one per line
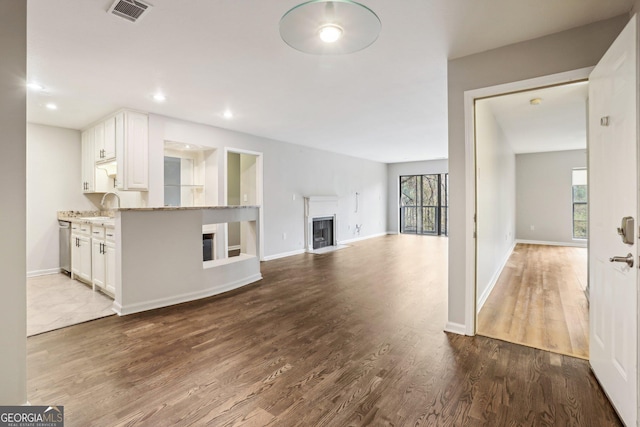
column 352, row 337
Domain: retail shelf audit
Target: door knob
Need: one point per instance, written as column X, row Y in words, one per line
column 628, row 259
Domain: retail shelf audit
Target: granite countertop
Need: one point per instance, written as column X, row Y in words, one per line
column 101, row 218
column 185, row 208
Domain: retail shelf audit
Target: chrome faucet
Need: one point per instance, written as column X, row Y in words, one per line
column 105, row 196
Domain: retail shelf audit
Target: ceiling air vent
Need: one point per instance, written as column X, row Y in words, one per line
column 131, row 10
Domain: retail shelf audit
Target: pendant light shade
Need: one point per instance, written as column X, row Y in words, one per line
column 323, row 27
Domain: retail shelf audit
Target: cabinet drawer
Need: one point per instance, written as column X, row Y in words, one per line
column 97, row 232
column 110, row 234
column 80, row 228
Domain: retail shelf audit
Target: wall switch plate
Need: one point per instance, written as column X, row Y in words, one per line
column 293, row 197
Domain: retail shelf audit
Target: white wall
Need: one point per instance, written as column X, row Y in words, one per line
column 569, row 50
column 495, row 200
column 543, row 182
column 394, row 172
column 53, row 184
column 13, row 147
column 289, row 170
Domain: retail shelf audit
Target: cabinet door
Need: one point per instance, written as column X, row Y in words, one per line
column 88, row 161
column 85, row 258
column 98, row 142
column 110, row 268
column 98, row 263
column 110, row 139
column 75, row 256
column 136, row 151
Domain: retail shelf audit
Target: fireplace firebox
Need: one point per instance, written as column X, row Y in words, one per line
column 322, row 232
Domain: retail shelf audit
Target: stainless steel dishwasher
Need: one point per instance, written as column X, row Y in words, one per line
column 65, row 246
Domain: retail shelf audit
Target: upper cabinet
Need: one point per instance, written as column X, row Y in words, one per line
column 115, row 154
column 132, row 151
column 105, row 140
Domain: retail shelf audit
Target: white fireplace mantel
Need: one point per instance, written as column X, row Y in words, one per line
column 320, row 207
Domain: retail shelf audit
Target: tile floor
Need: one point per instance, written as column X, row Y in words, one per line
column 55, row 301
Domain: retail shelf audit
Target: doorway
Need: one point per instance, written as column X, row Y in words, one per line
column 531, row 243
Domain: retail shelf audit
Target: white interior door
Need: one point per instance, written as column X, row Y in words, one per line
column 613, row 190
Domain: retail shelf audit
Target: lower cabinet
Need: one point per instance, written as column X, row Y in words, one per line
column 81, row 252
column 103, row 259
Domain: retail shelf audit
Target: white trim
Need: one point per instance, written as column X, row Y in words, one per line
column 284, row 255
column 543, row 242
column 494, row 279
column 358, row 239
column 36, row 273
column 455, row 328
column 234, row 247
column 392, row 233
column 179, row 299
column 470, row 196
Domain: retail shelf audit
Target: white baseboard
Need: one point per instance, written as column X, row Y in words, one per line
column 392, row 233
column 302, row 251
column 179, row 299
column 358, row 239
column 235, row 247
column 494, row 280
column 455, row 328
column 543, row 242
column 284, row 255
column 36, row 273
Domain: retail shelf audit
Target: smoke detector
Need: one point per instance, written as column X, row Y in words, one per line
column 131, row 10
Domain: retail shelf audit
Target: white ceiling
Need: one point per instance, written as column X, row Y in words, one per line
column 386, row 103
column 558, row 123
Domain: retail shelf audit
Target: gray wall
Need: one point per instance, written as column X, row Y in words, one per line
column 394, row 172
column 543, row 182
column 289, row 171
column 53, row 184
column 565, row 51
column 13, row 148
column 495, row 198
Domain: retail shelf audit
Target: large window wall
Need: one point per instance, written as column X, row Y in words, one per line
column 424, row 204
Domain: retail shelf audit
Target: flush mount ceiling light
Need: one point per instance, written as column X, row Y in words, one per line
column 227, row 114
column 535, row 101
column 324, row 27
column 159, row 97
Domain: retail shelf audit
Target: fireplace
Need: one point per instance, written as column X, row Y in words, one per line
column 322, row 232
column 320, row 213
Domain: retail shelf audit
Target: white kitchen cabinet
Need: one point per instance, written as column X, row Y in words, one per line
column 105, row 140
column 81, row 252
column 103, row 260
column 88, row 162
column 98, row 142
column 94, row 180
column 110, row 267
column 132, row 151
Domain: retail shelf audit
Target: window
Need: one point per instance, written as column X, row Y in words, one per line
column 424, row 201
column 579, row 200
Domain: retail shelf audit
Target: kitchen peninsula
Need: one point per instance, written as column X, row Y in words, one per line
column 160, row 255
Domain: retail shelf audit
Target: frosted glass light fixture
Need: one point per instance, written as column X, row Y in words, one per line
column 335, row 27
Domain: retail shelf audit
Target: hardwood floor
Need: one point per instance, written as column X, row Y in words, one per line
column 539, row 300
column 348, row 338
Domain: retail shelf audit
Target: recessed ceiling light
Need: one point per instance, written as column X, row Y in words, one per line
column 35, row 86
column 535, row 101
column 51, row 106
column 159, row 97
column 227, row 114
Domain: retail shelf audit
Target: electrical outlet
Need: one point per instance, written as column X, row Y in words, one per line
column 245, row 198
column 533, row 228
column 293, row 197
column 284, row 236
